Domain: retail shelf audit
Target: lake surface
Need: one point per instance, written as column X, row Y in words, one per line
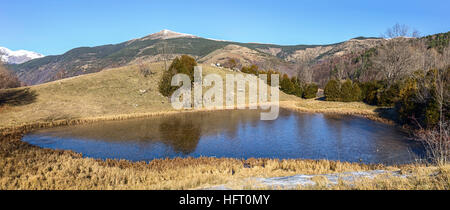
column 237, row 134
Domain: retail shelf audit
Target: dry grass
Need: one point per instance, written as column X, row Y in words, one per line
column 342, row 108
column 417, row 178
column 412, row 177
column 23, row 166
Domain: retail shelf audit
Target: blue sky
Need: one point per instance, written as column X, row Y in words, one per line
column 54, row 26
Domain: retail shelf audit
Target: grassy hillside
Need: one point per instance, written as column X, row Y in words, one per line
column 110, row 93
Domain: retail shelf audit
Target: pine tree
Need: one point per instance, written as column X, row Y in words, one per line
column 332, row 90
column 346, row 91
column 310, row 91
column 184, row 65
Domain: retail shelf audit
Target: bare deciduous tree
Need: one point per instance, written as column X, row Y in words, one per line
column 340, row 70
column 436, row 142
column 432, row 60
column 416, row 33
column 400, row 30
column 437, row 139
column 144, row 69
column 305, row 73
column 395, row 60
column 164, row 50
column 7, row 78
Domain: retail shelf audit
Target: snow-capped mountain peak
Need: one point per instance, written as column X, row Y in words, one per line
column 168, row 34
column 18, row 56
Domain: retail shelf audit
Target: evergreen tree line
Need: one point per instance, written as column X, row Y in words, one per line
column 342, row 91
column 422, row 99
column 415, row 98
column 292, row 86
column 295, row 87
column 185, row 64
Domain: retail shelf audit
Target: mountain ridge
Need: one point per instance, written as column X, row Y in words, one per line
column 84, row 60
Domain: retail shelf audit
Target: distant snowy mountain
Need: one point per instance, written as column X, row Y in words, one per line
column 18, row 56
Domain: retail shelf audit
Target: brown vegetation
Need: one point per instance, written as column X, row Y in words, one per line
column 7, row 78
column 437, row 142
column 23, row 166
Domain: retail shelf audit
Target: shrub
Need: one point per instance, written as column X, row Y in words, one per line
column 7, row 78
column 144, row 69
column 184, row 65
column 387, row 96
column 310, row 91
column 380, row 94
column 431, row 113
column 369, row 91
column 436, row 142
column 286, row 85
column 332, row 90
column 231, row 63
column 408, row 108
column 253, row 69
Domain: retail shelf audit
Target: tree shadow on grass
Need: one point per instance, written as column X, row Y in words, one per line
column 17, row 97
column 387, row 113
column 320, row 98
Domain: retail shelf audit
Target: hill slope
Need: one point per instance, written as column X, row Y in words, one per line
column 109, row 93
